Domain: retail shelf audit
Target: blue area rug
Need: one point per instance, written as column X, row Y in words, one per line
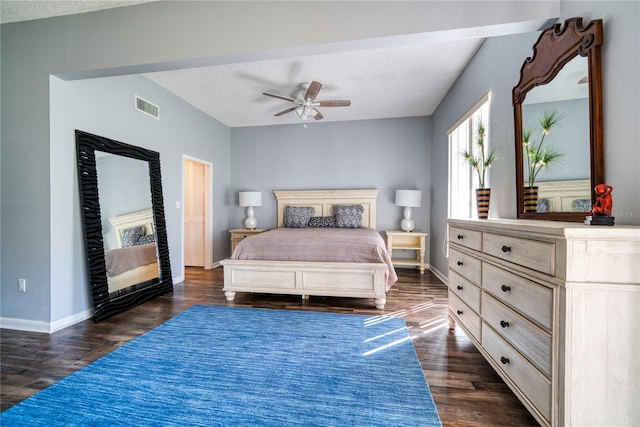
column 216, row 365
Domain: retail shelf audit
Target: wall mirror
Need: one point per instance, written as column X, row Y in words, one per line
column 560, row 84
column 124, row 224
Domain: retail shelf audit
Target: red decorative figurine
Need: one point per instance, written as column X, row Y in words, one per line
column 602, row 208
column 604, row 201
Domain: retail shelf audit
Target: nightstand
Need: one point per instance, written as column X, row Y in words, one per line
column 413, row 241
column 237, row 234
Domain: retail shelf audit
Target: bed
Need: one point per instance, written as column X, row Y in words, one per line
column 564, row 196
column 304, row 276
column 135, row 260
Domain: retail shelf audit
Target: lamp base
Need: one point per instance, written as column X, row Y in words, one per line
column 407, row 224
column 251, row 222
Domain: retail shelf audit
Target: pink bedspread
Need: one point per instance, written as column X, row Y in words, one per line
column 318, row 244
column 120, row 260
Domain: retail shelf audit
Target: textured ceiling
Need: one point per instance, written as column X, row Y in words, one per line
column 403, row 81
column 21, row 10
column 406, row 78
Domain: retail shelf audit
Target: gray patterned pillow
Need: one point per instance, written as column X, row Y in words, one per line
column 297, row 216
column 581, row 205
column 130, row 236
column 147, row 238
column 348, row 216
column 322, row 222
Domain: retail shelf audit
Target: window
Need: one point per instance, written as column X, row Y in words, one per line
column 462, row 182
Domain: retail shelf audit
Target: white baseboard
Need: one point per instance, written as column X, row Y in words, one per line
column 439, row 275
column 42, row 326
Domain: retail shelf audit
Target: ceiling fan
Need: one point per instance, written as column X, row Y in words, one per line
column 305, row 100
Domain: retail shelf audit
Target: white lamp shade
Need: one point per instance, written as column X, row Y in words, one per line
column 410, row 198
column 250, row 198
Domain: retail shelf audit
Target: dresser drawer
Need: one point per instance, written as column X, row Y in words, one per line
column 530, row 340
column 533, row 254
column 533, row 300
column 465, row 290
column 468, row 238
column 531, row 383
column 464, row 315
column 465, row 265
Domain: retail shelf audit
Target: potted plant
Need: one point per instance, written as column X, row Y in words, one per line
column 480, row 161
column 538, row 155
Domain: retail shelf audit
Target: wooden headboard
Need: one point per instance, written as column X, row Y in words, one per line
column 323, row 201
column 133, row 219
column 561, row 194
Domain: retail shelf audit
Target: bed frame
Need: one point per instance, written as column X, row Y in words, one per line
column 339, row 279
column 561, row 194
column 138, row 274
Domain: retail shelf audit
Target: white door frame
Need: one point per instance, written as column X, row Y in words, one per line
column 208, row 211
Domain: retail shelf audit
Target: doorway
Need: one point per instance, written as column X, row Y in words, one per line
column 198, row 237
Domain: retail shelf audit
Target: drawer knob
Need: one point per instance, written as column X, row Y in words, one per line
column 459, row 287
column 505, row 288
column 504, row 360
column 506, row 248
column 460, row 263
column 460, row 237
column 459, row 312
column 504, row 324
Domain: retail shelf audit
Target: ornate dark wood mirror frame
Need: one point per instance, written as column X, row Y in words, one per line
column 104, row 304
column 555, row 47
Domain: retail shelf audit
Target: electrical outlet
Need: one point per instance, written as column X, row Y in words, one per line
column 22, row 285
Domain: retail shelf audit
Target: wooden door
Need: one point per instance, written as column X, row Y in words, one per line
column 194, row 214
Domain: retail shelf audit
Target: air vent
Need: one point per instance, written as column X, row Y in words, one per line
column 147, row 108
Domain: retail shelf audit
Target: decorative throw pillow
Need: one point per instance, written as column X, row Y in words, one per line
column 147, row 238
column 543, row 205
column 322, row 222
column 581, row 205
column 130, row 236
column 297, row 216
column 348, row 216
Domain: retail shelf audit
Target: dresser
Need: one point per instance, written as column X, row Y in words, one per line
column 555, row 308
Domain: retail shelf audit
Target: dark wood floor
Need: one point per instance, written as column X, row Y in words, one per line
column 466, row 390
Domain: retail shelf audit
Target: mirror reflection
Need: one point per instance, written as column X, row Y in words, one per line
column 124, row 225
column 557, row 107
column 127, row 222
column 563, row 176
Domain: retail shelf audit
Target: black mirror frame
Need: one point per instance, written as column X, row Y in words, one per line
column 105, row 306
column 556, row 46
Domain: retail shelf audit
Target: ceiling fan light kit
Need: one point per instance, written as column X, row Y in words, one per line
column 305, row 100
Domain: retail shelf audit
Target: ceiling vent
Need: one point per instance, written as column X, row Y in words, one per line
column 147, row 108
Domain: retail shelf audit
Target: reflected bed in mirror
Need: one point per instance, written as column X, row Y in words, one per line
column 563, row 77
column 124, row 224
column 134, row 260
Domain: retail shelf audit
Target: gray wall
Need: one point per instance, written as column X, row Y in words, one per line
column 38, row 188
column 104, row 107
column 570, row 137
column 385, row 154
column 496, row 68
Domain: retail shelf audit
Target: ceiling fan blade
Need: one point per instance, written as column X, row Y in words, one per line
column 313, row 90
column 286, row 98
column 288, row 110
column 334, row 103
column 318, row 115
